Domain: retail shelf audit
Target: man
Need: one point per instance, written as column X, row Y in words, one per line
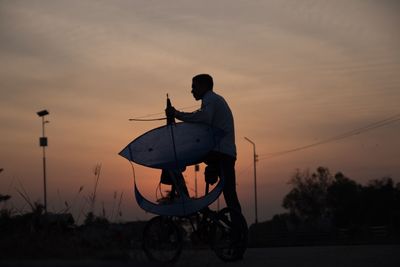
column 215, row 111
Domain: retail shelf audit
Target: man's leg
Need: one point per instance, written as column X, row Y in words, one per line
column 228, row 171
column 180, row 183
column 239, row 233
column 177, row 182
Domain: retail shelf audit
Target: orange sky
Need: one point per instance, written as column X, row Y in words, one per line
column 294, row 72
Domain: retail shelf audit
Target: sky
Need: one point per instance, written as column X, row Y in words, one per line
column 295, row 73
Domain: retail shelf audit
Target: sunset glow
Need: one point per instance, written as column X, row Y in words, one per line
column 294, row 73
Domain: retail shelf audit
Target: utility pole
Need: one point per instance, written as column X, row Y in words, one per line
column 43, row 143
column 196, row 170
column 255, row 159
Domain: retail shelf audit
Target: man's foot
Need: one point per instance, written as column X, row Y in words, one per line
column 168, row 199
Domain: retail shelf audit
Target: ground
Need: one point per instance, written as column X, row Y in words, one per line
column 343, row 256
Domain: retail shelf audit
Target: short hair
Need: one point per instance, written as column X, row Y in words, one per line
column 204, row 79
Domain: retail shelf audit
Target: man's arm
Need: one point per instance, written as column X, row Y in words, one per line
column 203, row 115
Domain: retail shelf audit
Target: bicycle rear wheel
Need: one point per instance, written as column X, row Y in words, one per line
column 162, row 240
column 230, row 235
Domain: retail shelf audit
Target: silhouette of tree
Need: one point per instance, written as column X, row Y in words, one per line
column 343, row 201
column 380, row 202
column 346, row 203
column 308, row 197
column 325, row 208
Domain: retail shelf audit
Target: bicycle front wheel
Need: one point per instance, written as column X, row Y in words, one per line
column 162, row 240
column 230, row 235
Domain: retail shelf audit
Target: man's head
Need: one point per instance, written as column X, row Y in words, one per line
column 201, row 84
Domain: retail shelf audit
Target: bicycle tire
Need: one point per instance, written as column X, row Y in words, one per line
column 230, row 238
column 162, row 240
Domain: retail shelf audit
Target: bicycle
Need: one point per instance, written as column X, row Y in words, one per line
column 225, row 231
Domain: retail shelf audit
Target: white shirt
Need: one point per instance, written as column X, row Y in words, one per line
column 214, row 111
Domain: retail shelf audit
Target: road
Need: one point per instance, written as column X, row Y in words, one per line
column 326, row 256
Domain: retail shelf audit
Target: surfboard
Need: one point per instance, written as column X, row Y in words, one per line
column 172, row 146
column 182, row 206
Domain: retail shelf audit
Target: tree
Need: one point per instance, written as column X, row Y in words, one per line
column 343, row 200
column 380, row 201
column 308, row 197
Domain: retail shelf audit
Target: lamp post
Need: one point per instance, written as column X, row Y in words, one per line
column 196, row 170
column 255, row 156
column 43, row 144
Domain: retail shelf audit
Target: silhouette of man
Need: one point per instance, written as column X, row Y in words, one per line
column 215, row 111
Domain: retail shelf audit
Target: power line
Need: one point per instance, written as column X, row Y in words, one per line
column 369, row 127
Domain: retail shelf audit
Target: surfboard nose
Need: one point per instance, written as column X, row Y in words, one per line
column 125, row 153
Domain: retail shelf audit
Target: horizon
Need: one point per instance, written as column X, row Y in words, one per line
column 317, row 81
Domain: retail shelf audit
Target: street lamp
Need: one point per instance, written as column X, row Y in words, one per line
column 255, row 156
column 43, row 143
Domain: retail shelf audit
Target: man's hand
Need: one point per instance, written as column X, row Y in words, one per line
column 170, row 112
